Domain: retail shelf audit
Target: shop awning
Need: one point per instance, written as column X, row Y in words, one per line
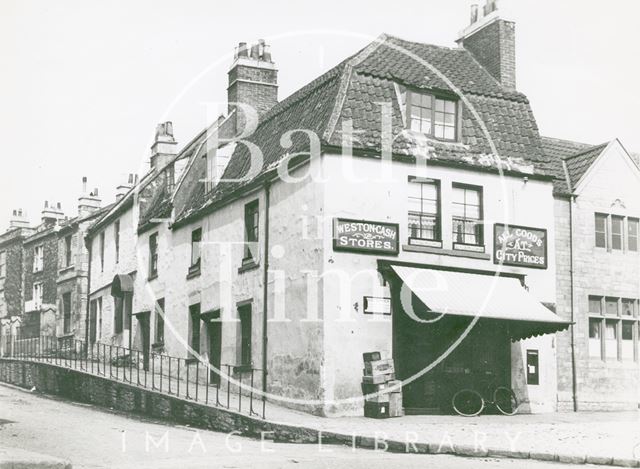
column 485, row 296
column 121, row 284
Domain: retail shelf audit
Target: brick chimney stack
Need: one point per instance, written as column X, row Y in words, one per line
column 18, row 219
column 164, row 148
column 253, row 80
column 52, row 213
column 88, row 202
column 491, row 38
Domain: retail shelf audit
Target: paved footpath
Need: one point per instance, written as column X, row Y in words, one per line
column 90, row 437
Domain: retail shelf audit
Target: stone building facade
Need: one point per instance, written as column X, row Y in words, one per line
column 597, row 211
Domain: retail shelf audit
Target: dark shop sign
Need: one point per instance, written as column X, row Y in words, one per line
column 520, row 246
column 368, row 237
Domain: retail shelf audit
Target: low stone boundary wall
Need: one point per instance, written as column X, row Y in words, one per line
column 103, row 392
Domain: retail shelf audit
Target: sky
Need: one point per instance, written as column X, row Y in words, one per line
column 83, row 83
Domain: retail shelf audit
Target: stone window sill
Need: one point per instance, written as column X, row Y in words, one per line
column 152, row 277
column 194, row 271
column 248, row 264
column 66, row 269
column 446, row 252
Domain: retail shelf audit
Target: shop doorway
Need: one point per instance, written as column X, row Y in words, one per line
column 481, row 358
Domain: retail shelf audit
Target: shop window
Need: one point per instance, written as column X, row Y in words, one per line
column 244, row 313
column 3, row 264
column 533, row 369
column 430, row 115
column 194, row 329
column 251, row 231
column 159, row 322
column 595, row 337
column 627, row 340
column 601, row 230
column 467, row 215
column 611, row 339
column 38, row 258
column 424, row 210
column 66, row 312
column 67, row 251
column 153, row 255
column 116, row 239
column 632, row 234
column 616, row 232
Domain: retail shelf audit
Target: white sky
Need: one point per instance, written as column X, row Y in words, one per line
column 83, row 83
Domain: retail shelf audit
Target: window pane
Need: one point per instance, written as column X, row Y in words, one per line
column 439, row 105
column 611, row 331
column 472, row 197
column 633, row 234
column 595, row 305
column 627, row 307
column 601, row 230
column 450, row 133
column 627, row 330
column 612, row 306
column 450, row 107
column 594, row 328
column 458, row 195
column 616, row 232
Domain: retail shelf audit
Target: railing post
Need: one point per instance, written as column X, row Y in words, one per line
column 169, row 375
column 178, row 391
column 160, row 372
column 208, row 372
column 186, row 364
column 240, row 393
column 228, row 386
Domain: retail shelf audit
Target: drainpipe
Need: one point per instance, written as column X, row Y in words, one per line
column 265, row 295
column 88, row 312
column 574, row 372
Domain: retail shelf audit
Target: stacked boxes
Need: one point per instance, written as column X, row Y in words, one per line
column 377, row 384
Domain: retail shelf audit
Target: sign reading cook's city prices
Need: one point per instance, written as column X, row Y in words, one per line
column 520, row 246
column 369, row 237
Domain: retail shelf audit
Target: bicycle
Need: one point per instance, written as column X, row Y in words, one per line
column 469, row 402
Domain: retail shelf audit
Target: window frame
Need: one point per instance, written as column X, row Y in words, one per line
column 196, row 233
column 158, row 328
column 604, row 233
column 620, row 236
column 479, row 221
column 614, row 349
column 38, row 300
column 66, row 312
column 68, row 253
column 408, row 95
column 436, row 241
column 153, row 255
column 251, row 233
column 633, row 235
column 38, row 258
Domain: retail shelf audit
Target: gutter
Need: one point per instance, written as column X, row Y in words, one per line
column 265, row 290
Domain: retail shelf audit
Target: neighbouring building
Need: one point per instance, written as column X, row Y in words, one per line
column 40, row 270
column 11, row 272
column 73, row 267
column 597, row 211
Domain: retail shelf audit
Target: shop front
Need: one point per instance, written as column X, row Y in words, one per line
column 454, row 328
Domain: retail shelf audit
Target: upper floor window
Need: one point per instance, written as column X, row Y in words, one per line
column 251, row 231
column 424, row 210
column 632, row 230
column 467, row 215
column 601, row 230
column 153, row 255
column 196, row 239
column 431, row 115
column 67, row 251
column 38, row 259
column 3, row 264
column 615, row 232
column 102, row 252
column 116, row 239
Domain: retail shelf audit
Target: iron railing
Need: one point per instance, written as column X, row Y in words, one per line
column 230, row 386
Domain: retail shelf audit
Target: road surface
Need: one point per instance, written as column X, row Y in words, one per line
column 91, row 437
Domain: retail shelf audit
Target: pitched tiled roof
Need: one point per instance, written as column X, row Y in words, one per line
column 578, row 157
column 351, row 91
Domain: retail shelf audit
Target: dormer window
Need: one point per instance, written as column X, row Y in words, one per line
column 431, row 115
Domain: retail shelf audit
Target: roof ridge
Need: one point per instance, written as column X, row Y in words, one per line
column 582, row 152
column 437, row 46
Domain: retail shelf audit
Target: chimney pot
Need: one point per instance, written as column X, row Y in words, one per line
column 46, row 204
column 242, row 50
column 474, row 13
column 59, row 205
column 95, row 192
column 255, row 54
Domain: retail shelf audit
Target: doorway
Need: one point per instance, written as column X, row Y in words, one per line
column 144, row 327
column 214, row 333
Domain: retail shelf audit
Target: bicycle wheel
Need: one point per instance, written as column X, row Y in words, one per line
column 467, row 403
column 505, row 400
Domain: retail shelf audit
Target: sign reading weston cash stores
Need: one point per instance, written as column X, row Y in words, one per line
column 365, row 236
column 520, row 246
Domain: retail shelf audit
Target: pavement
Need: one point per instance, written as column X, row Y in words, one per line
column 89, row 437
